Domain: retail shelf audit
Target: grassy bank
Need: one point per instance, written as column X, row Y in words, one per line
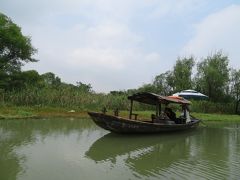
column 37, row 112
column 217, row 117
column 43, row 112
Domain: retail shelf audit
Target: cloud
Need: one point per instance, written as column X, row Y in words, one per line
column 111, row 34
column 218, row 31
column 107, row 54
column 98, row 58
column 113, row 68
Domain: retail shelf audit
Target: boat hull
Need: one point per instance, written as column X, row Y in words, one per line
column 123, row 125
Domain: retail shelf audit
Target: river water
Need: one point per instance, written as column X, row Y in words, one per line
column 73, row 149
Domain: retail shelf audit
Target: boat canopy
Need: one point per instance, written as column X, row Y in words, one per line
column 154, row 99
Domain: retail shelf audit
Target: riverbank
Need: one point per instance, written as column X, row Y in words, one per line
column 44, row 112
column 39, row 112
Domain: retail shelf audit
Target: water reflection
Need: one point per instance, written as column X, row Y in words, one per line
column 143, row 154
column 208, row 153
column 76, row 148
column 15, row 134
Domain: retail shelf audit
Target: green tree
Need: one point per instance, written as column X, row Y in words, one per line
column 84, row 87
column 31, row 78
column 147, row 88
column 15, row 49
column 235, row 87
column 51, row 80
column 21, row 80
column 213, row 76
column 182, row 74
column 163, row 83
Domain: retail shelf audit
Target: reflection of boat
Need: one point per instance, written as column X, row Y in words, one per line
column 159, row 122
column 143, row 154
column 112, row 145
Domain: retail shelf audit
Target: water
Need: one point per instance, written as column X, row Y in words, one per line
column 77, row 149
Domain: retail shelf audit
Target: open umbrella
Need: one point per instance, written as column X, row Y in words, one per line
column 191, row 94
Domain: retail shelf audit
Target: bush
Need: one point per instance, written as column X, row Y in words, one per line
column 212, row 107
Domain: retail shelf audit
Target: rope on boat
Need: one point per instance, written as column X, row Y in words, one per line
column 201, row 121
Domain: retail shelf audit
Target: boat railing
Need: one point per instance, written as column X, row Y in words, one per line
column 135, row 116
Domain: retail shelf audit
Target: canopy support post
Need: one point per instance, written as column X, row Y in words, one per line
column 184, row 111
column 160, row 109
column 131, row 106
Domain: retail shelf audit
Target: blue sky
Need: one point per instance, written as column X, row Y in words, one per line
column 116, row 45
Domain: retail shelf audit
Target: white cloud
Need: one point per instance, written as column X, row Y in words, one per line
column 108, row 55
column 98, row 58
column 152, row 57
column 108, row 45
column 113, row 69
column 111, row 34
column 218, row 31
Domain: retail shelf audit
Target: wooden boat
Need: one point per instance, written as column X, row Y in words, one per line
column 159, row 122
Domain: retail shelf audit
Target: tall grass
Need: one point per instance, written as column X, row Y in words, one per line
column 64, row 98
column 82, row 100
column 212, row 107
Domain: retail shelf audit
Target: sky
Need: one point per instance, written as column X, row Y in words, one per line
column 123, row 44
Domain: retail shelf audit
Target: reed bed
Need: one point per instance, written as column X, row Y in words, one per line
column 72, row 98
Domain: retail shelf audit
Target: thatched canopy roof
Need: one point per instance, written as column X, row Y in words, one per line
column 154, row 99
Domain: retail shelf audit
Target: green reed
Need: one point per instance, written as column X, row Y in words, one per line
column 65, row 97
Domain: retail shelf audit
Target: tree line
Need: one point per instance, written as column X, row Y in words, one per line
column 211, row 76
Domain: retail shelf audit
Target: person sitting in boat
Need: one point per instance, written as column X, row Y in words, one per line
column 185, row 113
column 162, row 118
column 169, row 112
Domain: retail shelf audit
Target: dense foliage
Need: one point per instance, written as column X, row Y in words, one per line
column 182, row 74
column 213, row 76
column 15, row 49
